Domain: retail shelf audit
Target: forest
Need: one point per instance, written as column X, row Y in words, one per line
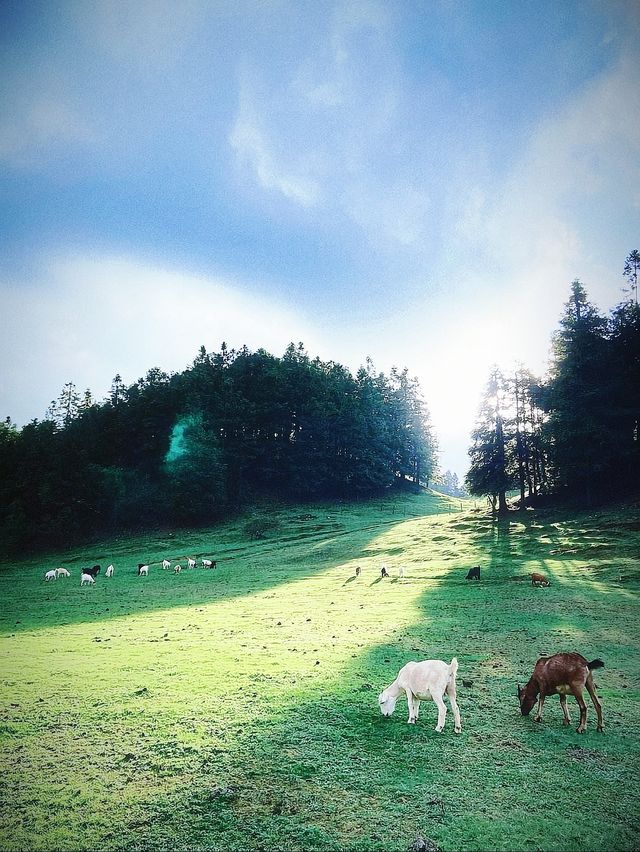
column 575, row 433
column 194, row 447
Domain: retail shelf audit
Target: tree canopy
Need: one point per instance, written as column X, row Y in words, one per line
column 191, row 447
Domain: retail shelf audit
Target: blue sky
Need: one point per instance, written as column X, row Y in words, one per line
column 418, row 182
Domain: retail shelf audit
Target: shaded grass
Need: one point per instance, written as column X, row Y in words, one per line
column 237, row 709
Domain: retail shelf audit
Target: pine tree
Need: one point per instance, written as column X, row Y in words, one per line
column 578, row 397
column 490, row 473
column 66, row 408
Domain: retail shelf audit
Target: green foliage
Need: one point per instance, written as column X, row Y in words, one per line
column 578, row 433
column 195, row 446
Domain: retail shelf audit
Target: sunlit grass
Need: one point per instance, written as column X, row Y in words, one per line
column 236, row 708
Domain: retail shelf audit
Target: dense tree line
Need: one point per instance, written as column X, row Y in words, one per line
column 191, row 447
column 577, row 432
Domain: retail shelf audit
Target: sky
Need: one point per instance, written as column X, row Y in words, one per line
column 414, row 182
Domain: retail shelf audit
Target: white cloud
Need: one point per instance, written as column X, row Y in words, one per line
column 291, row 175
column 100, row 315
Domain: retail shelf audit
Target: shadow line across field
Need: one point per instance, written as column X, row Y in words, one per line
column 326, row 771
column 322, row 770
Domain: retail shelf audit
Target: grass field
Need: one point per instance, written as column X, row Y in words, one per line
column 237, row 708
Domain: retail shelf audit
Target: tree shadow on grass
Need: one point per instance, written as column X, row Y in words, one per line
column 28, row 603
column 323, row 770
column 328, row 772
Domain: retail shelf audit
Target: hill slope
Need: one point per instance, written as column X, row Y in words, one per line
column 237, row 708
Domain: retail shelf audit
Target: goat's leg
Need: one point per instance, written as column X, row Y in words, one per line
column 577, row 691
column 565, row 710
column 591, row 687
column 416, row 706
column 410, row 703
column 442, row 712
column 538, row 716
column 451, row 692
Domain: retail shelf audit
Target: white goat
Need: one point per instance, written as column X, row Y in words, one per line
column 51, row 575
column 109, row 571
column 207, row 563
column 421, row 681
column 166, row 564
column 401, row 572
column 62, row 572
column 143, row 571
column 177, row 569
column 191, row 563
column 87, row 579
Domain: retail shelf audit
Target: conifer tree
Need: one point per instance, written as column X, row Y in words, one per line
column 491, row 473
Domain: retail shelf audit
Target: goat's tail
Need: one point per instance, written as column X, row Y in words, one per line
column 453, row 668
column 595, row 664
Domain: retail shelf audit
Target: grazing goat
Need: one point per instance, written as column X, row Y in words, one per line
column 208, row 563
column 420, row 682
column 191, row 563
column 62, row 572
column 401, row 572
column 177, row 569
column 384, row 572
column 51, row 575
column 166, row 564
column 474, row 573
column 93, row 572
column 143, row 570
column 538, row 579
column 560, row 675
column 87, row 580
column 358, row 570
column 109, row 571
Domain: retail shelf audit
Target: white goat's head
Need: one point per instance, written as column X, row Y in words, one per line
column 387, row 703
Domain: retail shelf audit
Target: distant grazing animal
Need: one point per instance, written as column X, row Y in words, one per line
column 474, row 573
column 166, row 564
column 109, row 571
column 51, row 575
column 62, row 572
column 87, row 580
column 429, row 679
column 93, row 572
column 538, row 579
column 358, row 570
column 383, row 571
column 177, row 569
column 560, row 675
column 191, row 563
column 143, row 570
column 401, row 572
column 209, row 563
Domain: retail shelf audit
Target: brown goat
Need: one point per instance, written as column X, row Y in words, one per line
column 560, row 675
column 539, row 579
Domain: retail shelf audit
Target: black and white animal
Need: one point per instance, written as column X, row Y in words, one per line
column 474, row 573
column 93, row 572
column 384, row 572
column 142, row 569
column 209, row 563
column 358, row 570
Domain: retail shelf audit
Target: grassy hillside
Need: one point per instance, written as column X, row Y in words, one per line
column 237, row 708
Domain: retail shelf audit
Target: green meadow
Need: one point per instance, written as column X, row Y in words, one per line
column 236, row 708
